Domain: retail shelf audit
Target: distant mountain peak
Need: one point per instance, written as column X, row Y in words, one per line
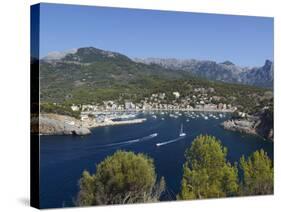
column 57, row 55
column 268, row 63
column 228, row 63
column 93, row 50
column 92, row 54
column 83, row 55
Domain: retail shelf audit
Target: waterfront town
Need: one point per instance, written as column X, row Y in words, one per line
column 158, row 106
column 112, row 112
column 201, row 101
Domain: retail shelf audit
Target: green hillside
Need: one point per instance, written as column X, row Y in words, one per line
column 92, row 75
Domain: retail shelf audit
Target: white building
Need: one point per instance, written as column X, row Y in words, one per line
column 242, row 114
column 87, row 107
column 129, row 105
column 74, row 108
column 176, row 94
column 162, row 95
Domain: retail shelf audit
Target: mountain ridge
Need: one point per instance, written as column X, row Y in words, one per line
column 225, row 71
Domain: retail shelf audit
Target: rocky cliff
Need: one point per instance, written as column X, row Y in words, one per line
column 53, row 124
column 259, row 124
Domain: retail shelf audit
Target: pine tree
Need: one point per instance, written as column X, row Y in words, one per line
column 206, row 173
column 122, row 178
column 257, row 174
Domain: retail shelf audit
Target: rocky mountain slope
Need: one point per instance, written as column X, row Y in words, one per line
column 226, row 71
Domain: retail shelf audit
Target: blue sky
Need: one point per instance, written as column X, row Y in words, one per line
column 244, row 40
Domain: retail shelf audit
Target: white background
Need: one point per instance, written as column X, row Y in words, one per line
column 14, row 102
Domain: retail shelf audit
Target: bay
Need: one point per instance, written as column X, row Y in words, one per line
column 63, row 158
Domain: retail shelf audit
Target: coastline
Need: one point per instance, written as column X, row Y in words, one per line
column 254, row 125
column 112, row 123
column 160, row 110
column 55, row 124
column 93, row 124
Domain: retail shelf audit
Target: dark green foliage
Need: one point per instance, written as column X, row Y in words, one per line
column 257, row 174
column 86, row 189
column 124, row 177
column 58, row 109
column 207, row 174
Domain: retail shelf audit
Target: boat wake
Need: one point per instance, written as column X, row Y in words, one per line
column 169, row 142
column 132, row 141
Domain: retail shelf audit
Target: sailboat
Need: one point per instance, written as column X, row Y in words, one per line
column 181, row 132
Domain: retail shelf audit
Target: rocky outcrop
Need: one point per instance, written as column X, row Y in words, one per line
column 259, row 76
column 243, row 126
column 53, row 124
column 264, row 126
column 260, row 124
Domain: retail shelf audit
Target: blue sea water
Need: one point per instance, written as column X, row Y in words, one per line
column 63, row 158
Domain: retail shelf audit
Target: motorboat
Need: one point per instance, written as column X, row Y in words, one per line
column 181, row 132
